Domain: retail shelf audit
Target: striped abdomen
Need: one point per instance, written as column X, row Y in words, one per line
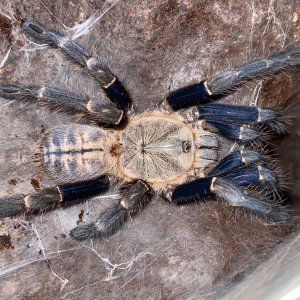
column 77, row 152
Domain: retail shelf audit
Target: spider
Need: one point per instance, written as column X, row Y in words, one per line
column 174, row 151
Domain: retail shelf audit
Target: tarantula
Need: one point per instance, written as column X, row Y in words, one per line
column 173, row 151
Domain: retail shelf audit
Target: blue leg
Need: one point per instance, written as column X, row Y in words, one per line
column 276, row 119
column 238, row 168
column 235, row 132
column 198, row 189
column 235, row 160
column 228, row 113
column 190, row 96
column 225, row 82
column 271, row 211
column 49, row 198
column 253, row 175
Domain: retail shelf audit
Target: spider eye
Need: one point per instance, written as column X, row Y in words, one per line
column 186, row 146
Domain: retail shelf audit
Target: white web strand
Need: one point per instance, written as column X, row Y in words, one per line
column 256, row 93
column 272, row 17
column 85, row 27
column 7, row 270
column 5, row 58
column 112, row 268
column 34, row 230
column 7, row 14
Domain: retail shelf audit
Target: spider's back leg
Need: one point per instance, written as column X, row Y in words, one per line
column 134, row 196
column 82, row 57
column 49, row 198
column 55, row 98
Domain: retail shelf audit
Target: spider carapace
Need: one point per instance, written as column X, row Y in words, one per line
column 175, row 151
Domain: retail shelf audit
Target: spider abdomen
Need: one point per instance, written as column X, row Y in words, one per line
column 76, row 152
column 157, row 148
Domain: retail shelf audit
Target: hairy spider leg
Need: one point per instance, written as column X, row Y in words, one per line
column 48, row 198
column 236, row 132
column 274, row 120
column 82, row 105
column 235, row 122
column 134, row 196
column 244, row 167
column 234, row 171
column 81, row 57
column 247, row 168
column 235, row 160
column 222, row 84
column 235, row 195
column 253, row 175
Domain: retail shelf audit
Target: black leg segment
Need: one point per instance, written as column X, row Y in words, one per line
column 189, row 192
column 84, row 189
column 191, row 95
column 117, row 94
column 229, row 113
column 225, row 82
column 49, row 198
column 82, row 58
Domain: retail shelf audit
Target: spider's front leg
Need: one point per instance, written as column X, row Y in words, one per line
column 241, row 169
column 241, row 122
column 82, row 57
column 225, row 82
column 48, row 198
column 134, row 197
column 229, row 181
